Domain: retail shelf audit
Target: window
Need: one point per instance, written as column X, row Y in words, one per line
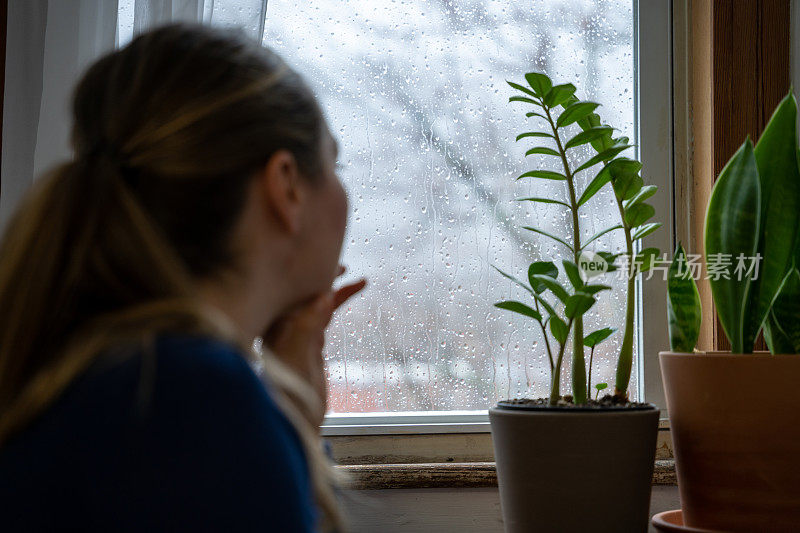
column 415, row 91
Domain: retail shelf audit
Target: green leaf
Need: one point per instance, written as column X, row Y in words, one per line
column 643, row 194
column 577, row 304
column 625, row 177
column 533, row 134
column 601, row 143
column 534, row 114
column 782, row 328
column 559, row 329
column 544, row 268
column 684, row 311
column 539, row 82
column 589, row 135
column 778, row 341
column 542, row 150
column 601, row 386
column 559, row 94
column 605, row 155
column 596, row 337
column 523, row 99
column 622, row 166
column 553, row 285
column 646, row 259
column 573, row 273
column 521, row 88
column 732, row 228
column 569, row 101
column 543, row 201
column 645, row 230
column 627, row 186
column 594, row 289
column 546, row 234
column 779, row 178
column 512, row 278
column 600, row 234
column 575, row 112
column 543, row 174
column 603, row 177
column 638, row 214
column 519, row 308
column 610, row 259
column 592, row 121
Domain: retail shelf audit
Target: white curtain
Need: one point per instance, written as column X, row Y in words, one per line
column 51, row 42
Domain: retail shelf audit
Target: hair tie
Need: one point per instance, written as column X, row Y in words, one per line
column 113, row 154
column 104, row 149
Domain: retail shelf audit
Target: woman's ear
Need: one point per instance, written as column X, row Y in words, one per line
column 281, row 187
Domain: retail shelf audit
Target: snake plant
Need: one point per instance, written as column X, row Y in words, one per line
column 753, row 212
column 566, row 124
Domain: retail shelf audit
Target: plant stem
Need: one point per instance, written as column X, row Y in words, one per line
column 625, row 360
column 555, row 377
column 591, row 360
column 578, row 359
column 544, row 335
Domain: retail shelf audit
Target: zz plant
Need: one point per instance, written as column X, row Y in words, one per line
column 753, row 213
column 567, row 124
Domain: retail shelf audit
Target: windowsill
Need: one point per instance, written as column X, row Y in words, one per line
column 410, row 423
column 375, row 450
column 452, row 475
column 369, row 424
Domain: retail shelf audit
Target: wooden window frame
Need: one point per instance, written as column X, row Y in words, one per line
column 737, row 69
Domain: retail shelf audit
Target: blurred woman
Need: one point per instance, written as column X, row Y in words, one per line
column 201, row 211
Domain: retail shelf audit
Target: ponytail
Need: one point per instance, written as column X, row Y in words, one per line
column 74, row 280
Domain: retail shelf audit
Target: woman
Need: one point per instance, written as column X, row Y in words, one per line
column 201, row 211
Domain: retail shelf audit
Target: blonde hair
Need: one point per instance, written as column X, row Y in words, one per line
column 106, row 249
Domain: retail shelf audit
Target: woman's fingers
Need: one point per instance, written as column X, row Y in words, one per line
column 321, row 310
column 342, row 294
column 316, row 313
column 298, row 337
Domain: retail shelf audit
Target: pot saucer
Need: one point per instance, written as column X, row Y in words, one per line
column 672, row 522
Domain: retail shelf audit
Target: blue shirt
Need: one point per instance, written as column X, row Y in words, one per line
column 193, row 442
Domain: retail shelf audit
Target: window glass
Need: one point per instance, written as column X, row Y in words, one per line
column 416, row 93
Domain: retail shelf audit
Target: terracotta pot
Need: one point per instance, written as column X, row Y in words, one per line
column 735, row 423
column 569, row 471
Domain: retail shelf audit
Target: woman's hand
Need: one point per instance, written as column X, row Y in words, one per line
column 297, row 339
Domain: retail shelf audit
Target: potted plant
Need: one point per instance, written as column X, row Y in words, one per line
column 735, row 417
column 568, row 462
